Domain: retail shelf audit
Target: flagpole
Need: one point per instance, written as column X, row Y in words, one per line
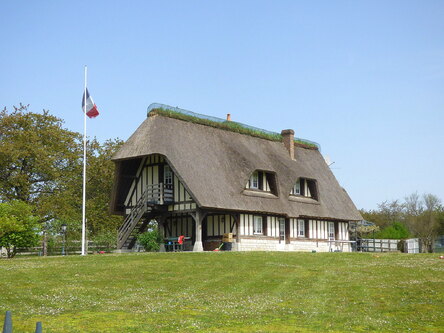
column 84, row 171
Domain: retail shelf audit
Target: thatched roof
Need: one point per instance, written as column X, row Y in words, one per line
column 215, row 164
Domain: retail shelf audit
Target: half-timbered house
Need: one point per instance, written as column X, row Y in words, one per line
column 201, row 177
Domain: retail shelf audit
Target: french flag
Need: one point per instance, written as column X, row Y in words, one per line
column 91, row 108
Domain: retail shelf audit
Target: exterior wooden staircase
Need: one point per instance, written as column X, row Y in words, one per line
column 153, row 198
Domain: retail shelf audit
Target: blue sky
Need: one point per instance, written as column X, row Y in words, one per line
column 365, row 79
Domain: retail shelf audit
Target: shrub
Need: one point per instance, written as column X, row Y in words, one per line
column 395, row 231
column 18, row 227
column 150, row 240
column 106, row 240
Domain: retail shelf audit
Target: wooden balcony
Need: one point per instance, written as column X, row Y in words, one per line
column 158, row 194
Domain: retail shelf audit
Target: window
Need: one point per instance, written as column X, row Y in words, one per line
column 257, row 225
column 167, row 175
column 254, row 180
column 305, row 187
column 331, row 230
column 281, row 229
column 301, row 228
column 262, row 181
column 297, row 187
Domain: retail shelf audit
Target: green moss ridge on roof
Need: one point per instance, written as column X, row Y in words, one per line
column 164, row 110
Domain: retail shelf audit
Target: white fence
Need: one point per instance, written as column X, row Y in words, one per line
column 377, row 245
column 439, row 244
column 412, row 245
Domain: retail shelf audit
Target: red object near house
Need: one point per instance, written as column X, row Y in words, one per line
column 180, row 239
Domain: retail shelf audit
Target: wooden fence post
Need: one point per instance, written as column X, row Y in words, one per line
column 7, row 325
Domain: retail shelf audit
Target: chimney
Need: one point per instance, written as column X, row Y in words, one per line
column 288, row 140
column 228, row 117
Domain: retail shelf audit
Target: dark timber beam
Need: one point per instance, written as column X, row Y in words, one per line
column 161, row 226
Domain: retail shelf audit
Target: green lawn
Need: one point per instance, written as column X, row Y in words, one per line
column 225, row 292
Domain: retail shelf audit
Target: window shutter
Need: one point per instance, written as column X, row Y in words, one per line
column 313, row 189
column 287, row 231
column 260, row 176
column 264, row 225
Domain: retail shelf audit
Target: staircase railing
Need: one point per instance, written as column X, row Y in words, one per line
column 156, row 194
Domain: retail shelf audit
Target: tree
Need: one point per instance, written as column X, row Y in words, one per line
column 106, row 240
column 36, row 152
column 42, row 163
column 395, row 231
column 100, row 182
column 67, row 206
column 387, row 213
column 422, row 215
column 440, row 219
column 423, row 218
column 38, row 158
column 18, row 227
column 413, row 205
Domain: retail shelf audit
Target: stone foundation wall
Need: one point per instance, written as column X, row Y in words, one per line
column 300, row 246
column 260, row 245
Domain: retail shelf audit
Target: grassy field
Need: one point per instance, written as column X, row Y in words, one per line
column 225, row 292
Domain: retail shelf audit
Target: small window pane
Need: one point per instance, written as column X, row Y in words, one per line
column 254, row 180
column 167, row 175
column 297, row 187
column 257, row 226
column 301, row 228
column 296, row 190
column 331, row 230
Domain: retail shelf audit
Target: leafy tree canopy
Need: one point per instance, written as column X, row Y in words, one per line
column 42, row 164
column 397, row 230
column 36, row 152
column 18, row 227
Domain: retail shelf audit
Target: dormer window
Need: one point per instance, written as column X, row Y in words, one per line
column 262, row 181
column 305, row 187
